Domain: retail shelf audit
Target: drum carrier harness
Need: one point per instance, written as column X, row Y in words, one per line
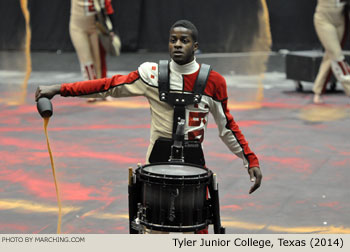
column 166, row 149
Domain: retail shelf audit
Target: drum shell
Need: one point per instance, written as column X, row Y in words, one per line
column 174, row 203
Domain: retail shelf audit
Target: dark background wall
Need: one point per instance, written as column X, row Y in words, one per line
column 224, row 25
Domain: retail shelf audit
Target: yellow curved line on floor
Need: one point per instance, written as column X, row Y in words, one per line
column 292, row 230
column 244, row 105
column 24, row 205
column 323, row 113
column 11, row 101
column 142, row 105
column 315, row 229
column 242, row 225
column 123, row 104
column 28, row 206
column 107, row 216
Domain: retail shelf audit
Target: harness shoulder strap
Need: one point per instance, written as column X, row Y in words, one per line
column 163, row 79
column 201, row 82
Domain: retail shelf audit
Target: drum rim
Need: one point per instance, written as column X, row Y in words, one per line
column 206, row 174
column 168, row 228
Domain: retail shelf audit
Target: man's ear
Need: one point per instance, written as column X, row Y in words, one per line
column 195, row 46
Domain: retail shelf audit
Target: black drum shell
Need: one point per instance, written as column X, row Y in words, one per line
column 174, row 203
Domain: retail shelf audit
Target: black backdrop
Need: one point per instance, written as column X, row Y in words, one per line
column 224, row 25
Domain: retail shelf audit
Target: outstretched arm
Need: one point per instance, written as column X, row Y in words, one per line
column 47, row 91
column 117, row 86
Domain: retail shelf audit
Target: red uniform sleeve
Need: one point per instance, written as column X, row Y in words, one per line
column 229, row 129
column 96, row 86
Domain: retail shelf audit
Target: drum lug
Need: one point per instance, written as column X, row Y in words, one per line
column 137, row 226
column 141, row 213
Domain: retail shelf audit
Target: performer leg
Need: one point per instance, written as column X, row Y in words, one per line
column 80, row 40
column 103, row 65
column 85, row 41
column 95, row 49
column 330, row 36
column 88, row 71
column 103, row 60
column 322, row 78
column 345, row 81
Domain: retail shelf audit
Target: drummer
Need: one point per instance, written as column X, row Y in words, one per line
column 183, row 71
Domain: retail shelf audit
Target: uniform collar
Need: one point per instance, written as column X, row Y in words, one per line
column 188, row 68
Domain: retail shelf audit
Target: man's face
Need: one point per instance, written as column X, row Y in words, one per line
column 181, row 45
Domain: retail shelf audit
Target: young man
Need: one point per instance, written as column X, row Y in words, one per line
column 183, row 71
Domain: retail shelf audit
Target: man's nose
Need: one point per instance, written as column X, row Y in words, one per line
column 178, row 44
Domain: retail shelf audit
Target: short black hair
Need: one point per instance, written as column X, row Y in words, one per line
column 188, row 25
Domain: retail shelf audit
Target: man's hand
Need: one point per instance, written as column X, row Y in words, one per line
column 111, row 35
column 47, row 91
column 255, row 176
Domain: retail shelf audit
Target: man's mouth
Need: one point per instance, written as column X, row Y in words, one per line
column 178, row 53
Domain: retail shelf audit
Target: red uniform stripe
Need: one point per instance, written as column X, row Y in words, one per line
column 233, row 126
column 109, row 7
column 342, row 67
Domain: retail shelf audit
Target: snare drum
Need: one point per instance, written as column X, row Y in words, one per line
column 174, row 196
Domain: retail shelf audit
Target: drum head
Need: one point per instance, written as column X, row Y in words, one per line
column 175, row 170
